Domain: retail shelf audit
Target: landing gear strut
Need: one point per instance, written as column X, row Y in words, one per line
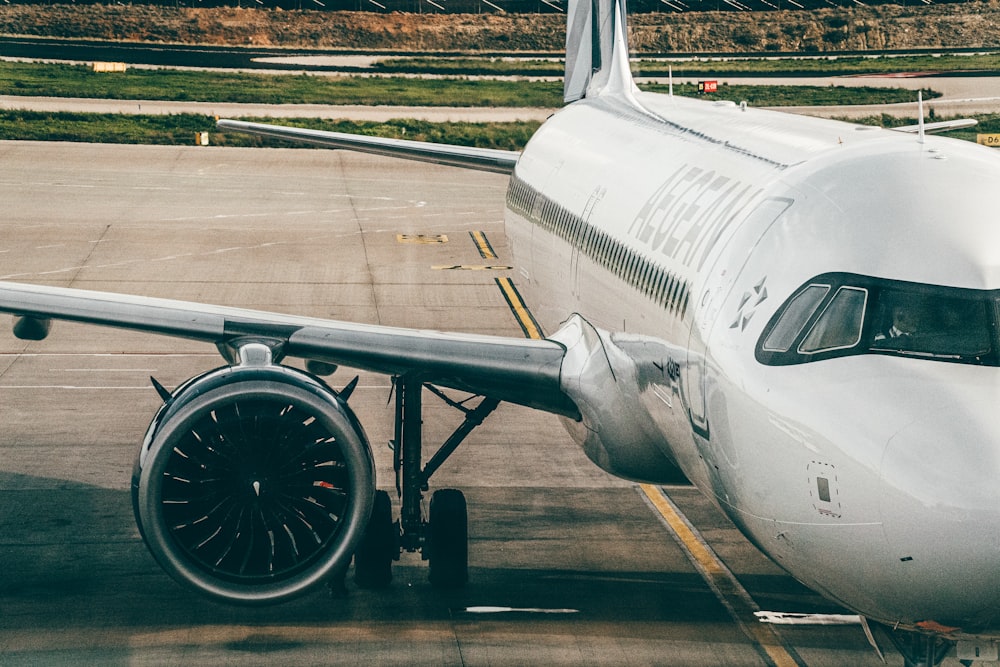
column 442, row 537
column 918, row 649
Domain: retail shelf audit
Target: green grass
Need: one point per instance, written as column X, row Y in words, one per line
column 180, row 129
column 779, row 96
column 36, row 79
column 471, row 66
column 45, row 80
column 103, row 128
column 821, row 66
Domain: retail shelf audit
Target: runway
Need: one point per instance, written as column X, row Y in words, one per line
column 569, row 566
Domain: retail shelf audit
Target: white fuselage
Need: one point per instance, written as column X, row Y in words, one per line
column 871, row 478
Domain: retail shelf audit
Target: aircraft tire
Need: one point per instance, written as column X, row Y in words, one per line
column 379, row 547
column 448, row 540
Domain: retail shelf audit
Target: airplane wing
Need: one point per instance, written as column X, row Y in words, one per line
column 940, row 126
column 517, row 370
column 482, row 159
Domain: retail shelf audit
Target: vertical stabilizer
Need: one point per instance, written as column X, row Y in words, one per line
column 596, row 49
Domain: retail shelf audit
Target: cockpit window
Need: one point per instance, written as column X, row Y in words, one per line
column 795, row 316
column 843, row 314
column 840, row 324
column 932, row 325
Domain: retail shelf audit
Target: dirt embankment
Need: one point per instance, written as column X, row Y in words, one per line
column 973, row 24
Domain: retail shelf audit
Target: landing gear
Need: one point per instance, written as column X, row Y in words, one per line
column 918, row 649
column 921, row 650
column 447, row 547
column 378, row 548
column 442, row 537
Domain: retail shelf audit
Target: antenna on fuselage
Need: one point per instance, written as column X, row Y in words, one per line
column 920, row 122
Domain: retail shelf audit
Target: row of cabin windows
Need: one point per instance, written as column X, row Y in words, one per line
column 661, row 286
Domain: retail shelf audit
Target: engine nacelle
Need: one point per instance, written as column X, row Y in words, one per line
column 607, row 384
column 254, row 483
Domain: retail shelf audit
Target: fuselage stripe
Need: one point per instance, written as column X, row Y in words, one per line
column 721, row 580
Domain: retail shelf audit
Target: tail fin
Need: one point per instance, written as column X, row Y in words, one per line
column 596, row 49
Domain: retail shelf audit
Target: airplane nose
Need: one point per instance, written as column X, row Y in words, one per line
column 940, row 506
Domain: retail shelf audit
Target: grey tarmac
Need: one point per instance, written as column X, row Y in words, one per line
column 569, row 566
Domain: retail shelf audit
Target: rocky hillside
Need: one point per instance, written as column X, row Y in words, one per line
column 972, row 24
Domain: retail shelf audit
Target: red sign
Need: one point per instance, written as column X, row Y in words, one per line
column 708, row 86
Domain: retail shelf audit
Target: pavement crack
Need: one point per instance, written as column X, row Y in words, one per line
column 364, row 241
column 86, row 260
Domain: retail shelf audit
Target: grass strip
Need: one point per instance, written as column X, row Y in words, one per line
column 780, row 96
column 180, row 129
column 822, row 65
column 471, row 66
column 52, row 80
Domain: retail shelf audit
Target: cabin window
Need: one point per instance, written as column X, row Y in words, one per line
column 839, row 315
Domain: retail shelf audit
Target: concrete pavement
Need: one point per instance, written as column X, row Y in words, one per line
column 596, row 576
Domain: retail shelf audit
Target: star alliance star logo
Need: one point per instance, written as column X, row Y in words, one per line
column 748, row 305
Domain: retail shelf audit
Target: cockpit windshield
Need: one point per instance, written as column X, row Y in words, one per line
column 841, row 314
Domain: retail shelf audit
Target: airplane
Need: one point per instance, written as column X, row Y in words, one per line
column 797, row 315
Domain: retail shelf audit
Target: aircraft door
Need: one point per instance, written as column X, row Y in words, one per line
column 726, row 267
column 582, row 235
column 703, row 316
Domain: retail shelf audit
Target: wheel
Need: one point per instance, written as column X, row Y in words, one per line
column 448, row 539
column 379, row 547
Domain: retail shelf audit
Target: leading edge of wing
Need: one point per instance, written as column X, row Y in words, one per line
column 517, row 370
column 482, row 159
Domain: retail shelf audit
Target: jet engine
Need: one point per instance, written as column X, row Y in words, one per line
column 254, row 481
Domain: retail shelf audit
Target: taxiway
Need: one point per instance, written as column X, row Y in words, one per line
column 568, row 565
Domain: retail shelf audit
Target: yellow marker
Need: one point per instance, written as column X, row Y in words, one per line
column 988, row 140
column 722, row 582
column 109, row 67
column 483, row 245
column 422, row 238
column 524, row 317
